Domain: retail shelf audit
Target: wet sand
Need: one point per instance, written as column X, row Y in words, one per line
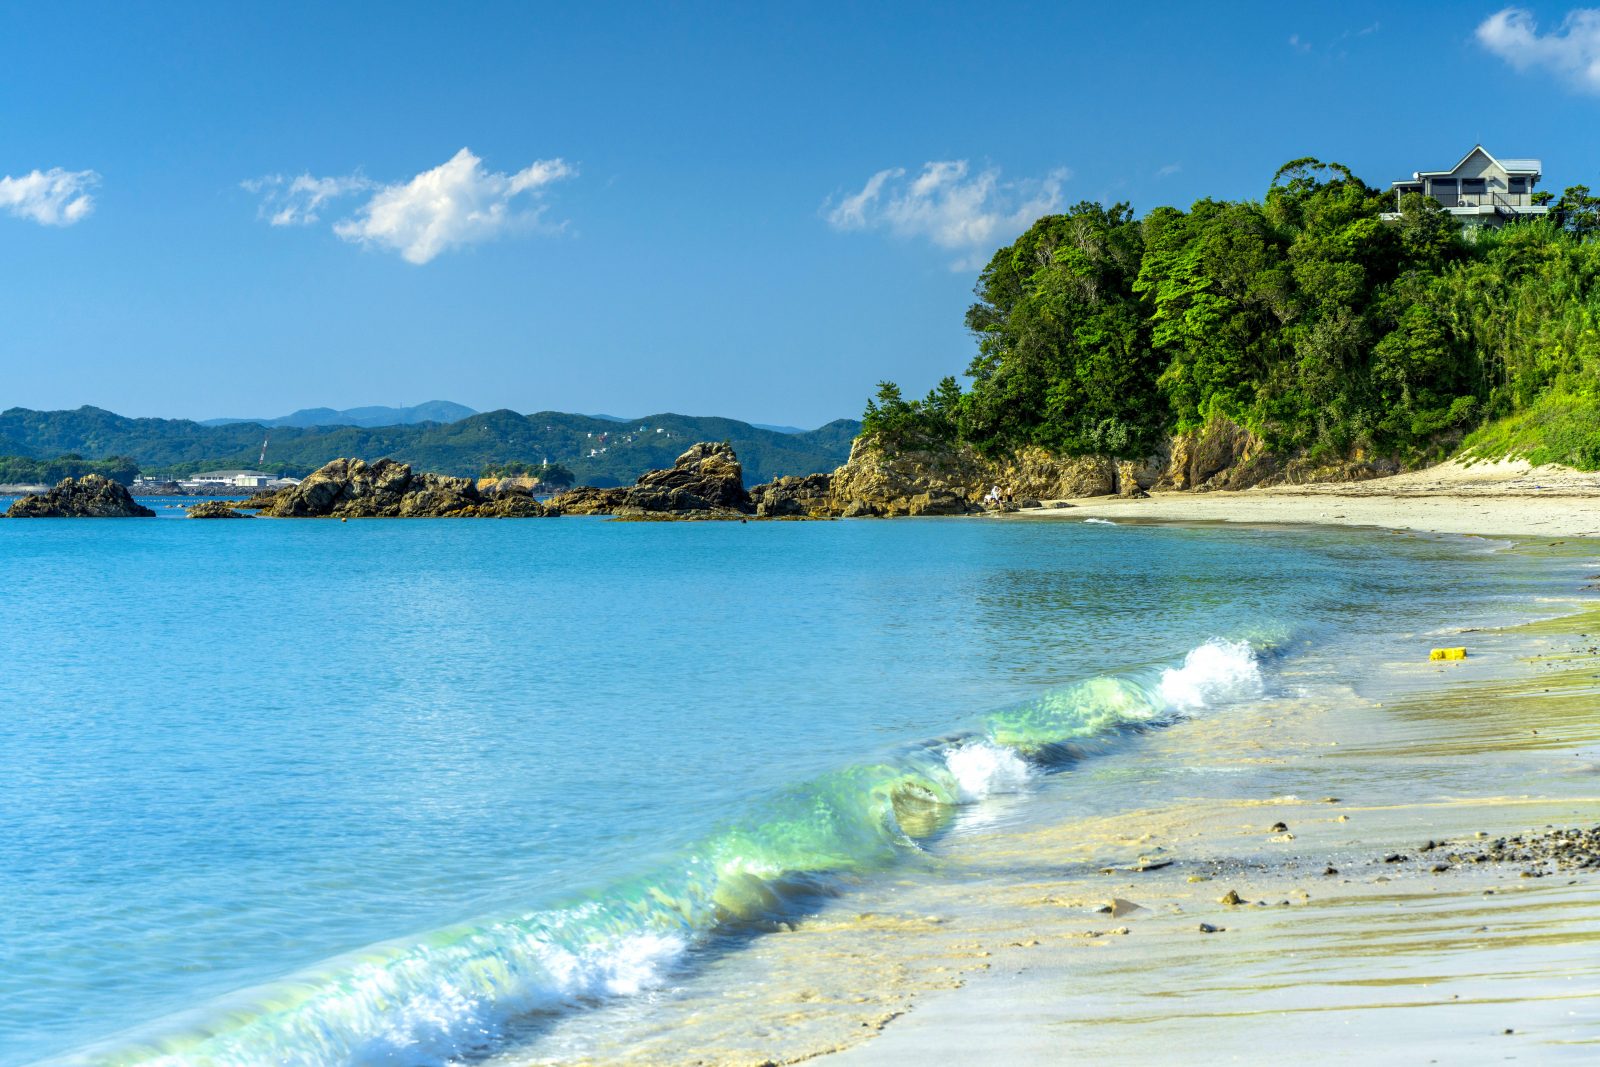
column 1354, row 939
column 1509, row 497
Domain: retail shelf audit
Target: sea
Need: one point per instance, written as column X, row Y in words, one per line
column 427, row 792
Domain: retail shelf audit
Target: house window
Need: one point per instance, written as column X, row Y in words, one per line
column 1445, row 185
column 1473, row 187
column 1517, row 185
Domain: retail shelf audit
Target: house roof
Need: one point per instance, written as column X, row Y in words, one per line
column 203, row 475
column 1510, row 166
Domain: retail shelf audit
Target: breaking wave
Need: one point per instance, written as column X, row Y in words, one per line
column 455, row 992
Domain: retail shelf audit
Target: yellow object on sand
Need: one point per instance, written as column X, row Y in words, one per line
column 1448, row 653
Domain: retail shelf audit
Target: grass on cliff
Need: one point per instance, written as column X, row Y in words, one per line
column 1559, row 427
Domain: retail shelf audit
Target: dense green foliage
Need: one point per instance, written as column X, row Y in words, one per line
column 621, row 451
column 1305, row 317
column 23, row 470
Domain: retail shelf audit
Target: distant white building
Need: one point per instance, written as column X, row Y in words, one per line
column 1480, row 190
column 230, row 480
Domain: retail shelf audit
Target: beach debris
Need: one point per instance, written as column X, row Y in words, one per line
column 1231, row 898
column 1279, row 828
column 1208, row 928
column 1447, row 653
column 1395, row 857
column 1138, row 868
column 1330, row 800
column 1120, row 907
column 1330, row 870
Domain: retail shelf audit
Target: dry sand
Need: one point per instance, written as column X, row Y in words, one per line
column 1508, row 497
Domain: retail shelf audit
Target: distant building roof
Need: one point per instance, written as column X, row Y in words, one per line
column 205, row 476
column 1510, row 166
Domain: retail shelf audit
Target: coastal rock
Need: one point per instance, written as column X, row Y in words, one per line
column 216, row 509
column 705, row 482
column 352, row 488
column 91, row 497
column 954, row 481
column 259, row 501
column 809, row 496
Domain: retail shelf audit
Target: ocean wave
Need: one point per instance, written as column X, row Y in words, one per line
column 453, row 993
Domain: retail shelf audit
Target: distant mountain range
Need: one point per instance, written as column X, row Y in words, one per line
column 432, row 411
column 598, row 450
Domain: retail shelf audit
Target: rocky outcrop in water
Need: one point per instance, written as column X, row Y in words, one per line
column 91, row 497
column 215, row 509
column 807, row 496
column 705, row 482
column 353, row 488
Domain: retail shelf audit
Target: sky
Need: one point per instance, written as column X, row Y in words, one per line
column 750, row 210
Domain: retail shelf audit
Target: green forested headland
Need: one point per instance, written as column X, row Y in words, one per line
column 1305, row 318
column 27, row 471
column 494, row 439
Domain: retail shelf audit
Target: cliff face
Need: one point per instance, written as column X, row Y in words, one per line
column 955, row 480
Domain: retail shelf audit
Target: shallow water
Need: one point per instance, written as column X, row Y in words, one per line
column 302, row 792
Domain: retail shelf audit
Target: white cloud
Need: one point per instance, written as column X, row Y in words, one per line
column 1572, row 52
column 456, row 203
column 1169, row 170
column 54, row 197
column 946, row 206
column 1297, row 44
column 295, row 201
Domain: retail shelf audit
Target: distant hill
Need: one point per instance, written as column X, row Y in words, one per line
column 597, row 450
column 432, row 411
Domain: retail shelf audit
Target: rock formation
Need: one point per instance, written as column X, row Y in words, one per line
column 807, row 496
column 215, row 509
column 91, row 497
column 352, row 488
column 706, row 482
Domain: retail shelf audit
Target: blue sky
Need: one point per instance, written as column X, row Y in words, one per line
column 661, row 207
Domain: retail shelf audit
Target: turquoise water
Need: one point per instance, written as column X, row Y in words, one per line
column 376, row 792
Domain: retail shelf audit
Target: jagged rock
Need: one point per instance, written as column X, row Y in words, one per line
column 588, row 500
column 706, row 482
column 216, row 509
column 707, row 471
column 352, row 488
column 807, row 496
column 93, row 496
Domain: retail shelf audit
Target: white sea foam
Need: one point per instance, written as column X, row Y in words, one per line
column 982, row 768
column 1215, row 672
column 1100, row 522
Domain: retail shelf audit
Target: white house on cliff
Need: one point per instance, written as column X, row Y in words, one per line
column 1480, row 190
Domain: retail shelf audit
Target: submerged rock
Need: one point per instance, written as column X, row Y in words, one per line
column 216, row 509
column 93, row 496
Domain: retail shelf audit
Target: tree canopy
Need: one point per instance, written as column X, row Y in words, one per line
column 1305, row 317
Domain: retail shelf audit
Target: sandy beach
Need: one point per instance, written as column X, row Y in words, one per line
column 1411, row 896
column 1507, row 497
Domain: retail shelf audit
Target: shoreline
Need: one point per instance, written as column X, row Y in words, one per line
column 1349, row 918
column 1507, row 498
